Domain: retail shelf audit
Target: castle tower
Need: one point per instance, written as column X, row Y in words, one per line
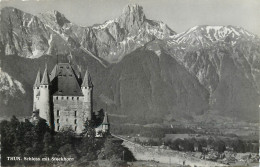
column 87, row 90
column 36, row 91
column 44, row 100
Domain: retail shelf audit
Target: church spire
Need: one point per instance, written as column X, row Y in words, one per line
column 38, row 80
column 87, row 80
column 45, row 77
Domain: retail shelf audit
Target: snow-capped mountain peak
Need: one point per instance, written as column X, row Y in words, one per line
column 205, row 35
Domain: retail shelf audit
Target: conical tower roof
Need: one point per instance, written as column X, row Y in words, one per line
column 53, row 73
column 38, row 80
column 105, row 120
column 79, row 74
column 87, row 80
column 45, row 77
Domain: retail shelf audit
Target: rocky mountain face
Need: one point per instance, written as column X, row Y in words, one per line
column 27, row 36
column 141, row 68
column 10, row 89
column 51, row 33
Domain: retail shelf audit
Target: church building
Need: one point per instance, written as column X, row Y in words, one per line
column 65, row 100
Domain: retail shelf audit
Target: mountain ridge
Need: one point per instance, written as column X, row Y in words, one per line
column 220, row 64
column 92, row 39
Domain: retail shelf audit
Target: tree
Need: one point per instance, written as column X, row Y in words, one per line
column 39, row 130
column 112, row 150
column 48, row 144
column 175, row 144
column 89, row 131
column 238, row 146
column 88, row 143
column 7, row 147
column 188, row 145
column 200, row 148
column 220, row 146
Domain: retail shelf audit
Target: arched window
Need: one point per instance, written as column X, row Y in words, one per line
column 75, row 128
column 58, row 112
column 75, row 121
column 75, row 113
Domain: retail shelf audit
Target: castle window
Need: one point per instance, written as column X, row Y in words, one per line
column 62, row 98
column 58, row 128
column 75, row 113
column 45, row 86
column 37, row 87
column 67, row 67
column 58, row 121
column 64, row 75
column 75, row 128
column 66, row 119
column 67, row 98
column 75, row 121
column 72, row 98
column 57, row 98
column 77, row 98
column 58, row 113
column 61, row 67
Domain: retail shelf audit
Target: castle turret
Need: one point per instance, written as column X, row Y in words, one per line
column 36, row 91
column 105, row 124
column 44, row 100
column 87, row 90
column 103, row 129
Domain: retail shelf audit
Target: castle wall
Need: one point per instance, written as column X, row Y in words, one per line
column 69, row 112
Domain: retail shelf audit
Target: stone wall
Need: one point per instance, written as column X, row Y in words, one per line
column 69, row 112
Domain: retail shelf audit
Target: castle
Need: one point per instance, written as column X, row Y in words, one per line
column 65, row 101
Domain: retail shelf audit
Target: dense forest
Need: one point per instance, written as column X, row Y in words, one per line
column 37, row 141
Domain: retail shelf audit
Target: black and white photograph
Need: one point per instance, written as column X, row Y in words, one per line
column 129, row 83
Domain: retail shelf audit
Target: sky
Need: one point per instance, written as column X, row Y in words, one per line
column 179, row 15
